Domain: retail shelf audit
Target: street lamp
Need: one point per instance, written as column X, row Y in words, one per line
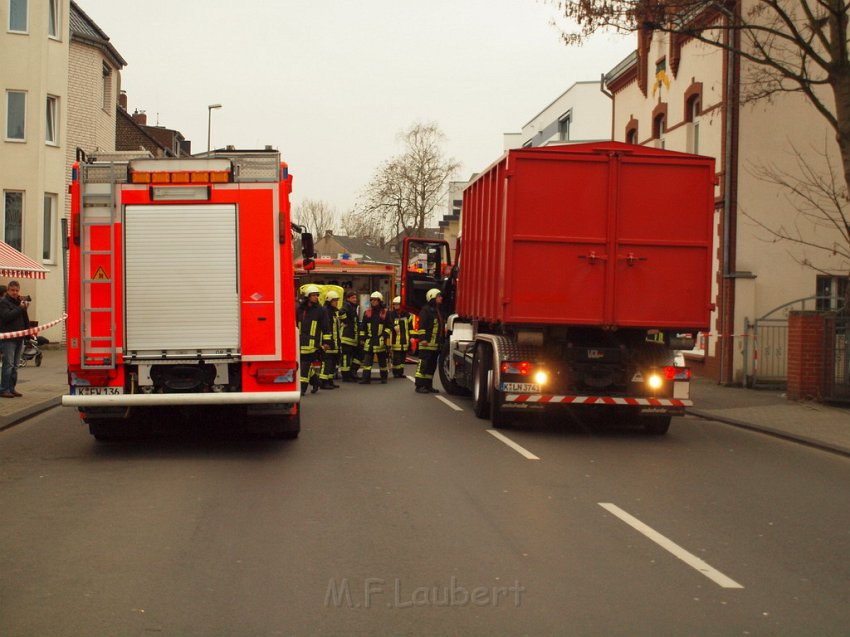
column 209, row 123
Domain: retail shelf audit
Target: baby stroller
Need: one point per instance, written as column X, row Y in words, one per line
column 32, row 350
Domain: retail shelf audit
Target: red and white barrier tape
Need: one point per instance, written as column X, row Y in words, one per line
column 32, row 330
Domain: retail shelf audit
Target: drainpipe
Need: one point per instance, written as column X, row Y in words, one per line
column 728, row 313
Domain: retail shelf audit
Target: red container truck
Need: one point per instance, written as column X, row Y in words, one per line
column 580, row 271
column 181, row 291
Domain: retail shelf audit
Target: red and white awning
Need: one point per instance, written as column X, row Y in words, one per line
column 16, row 265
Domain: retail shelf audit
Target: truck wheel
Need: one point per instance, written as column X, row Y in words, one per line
column 656, row 425
column 498, row 417
column 289, row 428
column 449, row 385
column 480, row 377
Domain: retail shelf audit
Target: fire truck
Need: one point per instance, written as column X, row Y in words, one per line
column 181, row 292
column 362, row 277
column 580, row 271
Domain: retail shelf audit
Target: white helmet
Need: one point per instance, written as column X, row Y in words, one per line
column 331, row 296
column 432, row 294
column 311, row 289
column 377, row 295
column 397, row 300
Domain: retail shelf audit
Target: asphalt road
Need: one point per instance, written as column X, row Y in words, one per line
column 396, row 514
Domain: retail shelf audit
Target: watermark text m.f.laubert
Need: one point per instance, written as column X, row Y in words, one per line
column 371, row 591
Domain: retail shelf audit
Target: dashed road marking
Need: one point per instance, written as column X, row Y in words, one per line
column 669, row 545
column 519, row 449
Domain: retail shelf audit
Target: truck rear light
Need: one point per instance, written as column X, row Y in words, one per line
column 522, row 367
column 677, row 373
column 654, row 381
column 277, row 374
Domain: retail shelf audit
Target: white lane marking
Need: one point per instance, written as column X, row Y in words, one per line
column 688, row 558
column 448, row 402
column 520, row 450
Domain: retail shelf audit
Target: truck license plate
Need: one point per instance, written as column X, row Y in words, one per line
column 522, row 388
column 99, row 391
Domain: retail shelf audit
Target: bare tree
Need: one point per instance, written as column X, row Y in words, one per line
column 794, row 46
column 407, row 188
column 317, row 216
column 363, row 225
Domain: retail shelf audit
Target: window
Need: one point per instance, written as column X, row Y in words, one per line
column 16, row 108
column 50, row 131
column 659, row 127
column 13, row 216
column 692, row 111
column 47, row 253
column 53, row 18
column 18, row 15
column 107, row 86
column 831, row 292
column 564, row 126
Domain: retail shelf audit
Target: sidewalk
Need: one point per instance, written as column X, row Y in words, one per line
column 812, row 423
column 823, row 426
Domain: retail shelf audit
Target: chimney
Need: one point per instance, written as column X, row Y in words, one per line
column 140, row 118
column 122, row 100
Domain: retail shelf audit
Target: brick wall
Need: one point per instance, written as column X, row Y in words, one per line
column 806, row 353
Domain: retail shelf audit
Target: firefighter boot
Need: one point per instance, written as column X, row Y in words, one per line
column 314, row 381
column 367, row 377
column 431, row 387
column 328, row 384
column 384, row 377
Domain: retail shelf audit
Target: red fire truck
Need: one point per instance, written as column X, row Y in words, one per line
column 181, row 291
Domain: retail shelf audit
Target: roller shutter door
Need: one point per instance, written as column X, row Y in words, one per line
column 181, row 280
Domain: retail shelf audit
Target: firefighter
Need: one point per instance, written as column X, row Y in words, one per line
column 402, row 323
column 331, row 357
column 349, row 318
column 314, row 334
column 431, row 332
column 375, row 330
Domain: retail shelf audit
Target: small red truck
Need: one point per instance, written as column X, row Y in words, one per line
column 181, row 291
column 580, row 270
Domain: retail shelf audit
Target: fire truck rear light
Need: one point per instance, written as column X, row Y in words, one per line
column 221, row 177
column 279, row 374
column 179, row 177
column 160, row 178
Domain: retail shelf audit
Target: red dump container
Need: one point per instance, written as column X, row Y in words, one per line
column 601, row 234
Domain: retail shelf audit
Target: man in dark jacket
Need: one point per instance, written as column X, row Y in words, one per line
column 349, row 319
column 402, row 323
column 375, row 329
column 13, row 318
column 431, row 333
column 331, row 357
column 314, row 332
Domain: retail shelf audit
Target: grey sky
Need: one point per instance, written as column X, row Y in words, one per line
column 331, row 82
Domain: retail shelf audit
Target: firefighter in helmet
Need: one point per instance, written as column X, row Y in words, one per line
column 375, row 330
column 331, row 357
column 431, row 333
column 349, row 318
column 402, row 323
column 314, row 334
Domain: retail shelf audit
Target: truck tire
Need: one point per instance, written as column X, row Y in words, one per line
column 481, row 363
column 448, row 383
column 289, row 428
column 498, row 417
column 656, row 425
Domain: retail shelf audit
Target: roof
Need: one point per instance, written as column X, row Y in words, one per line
column 16, row 265
column 84, row 29
column 370, row 251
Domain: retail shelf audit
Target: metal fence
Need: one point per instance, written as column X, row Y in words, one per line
column 836, row 385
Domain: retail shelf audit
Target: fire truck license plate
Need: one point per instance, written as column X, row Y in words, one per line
column 99, row 391
column 522, row 388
